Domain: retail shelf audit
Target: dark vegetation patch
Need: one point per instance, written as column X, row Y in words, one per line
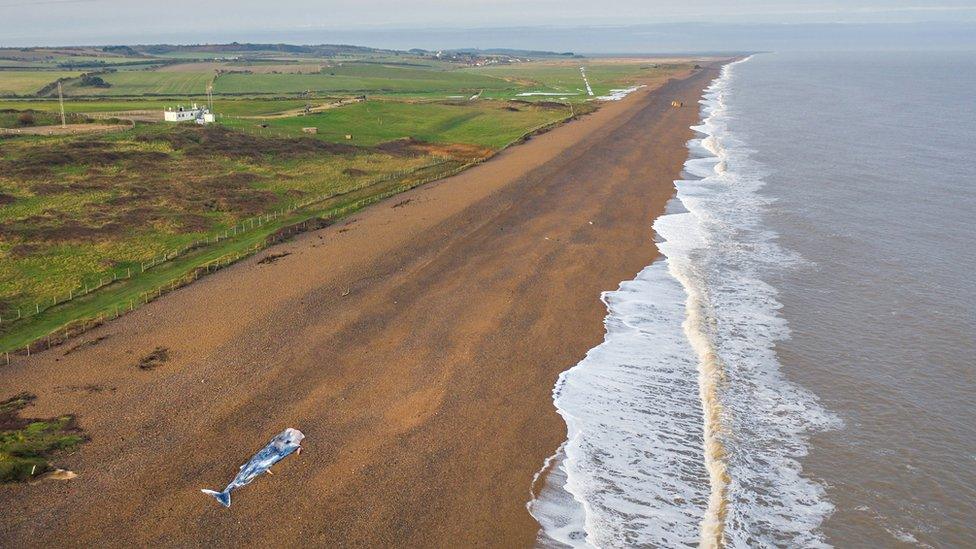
column 233, row 192
column 53, row 227
column 13, row 118
column 7, row 199
column 407, row 146
column 154, row 359
column 92, row 80
column 37, row 161
column 271, row 258
column 54, row 187
column 149, row 190
column 22, row 250
column 91, row 388
column 195, row 140
column 550, row 105
column 27, row 444
column 354, row 172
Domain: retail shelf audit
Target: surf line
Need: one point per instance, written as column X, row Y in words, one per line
column 711, row 370
column 710, row 376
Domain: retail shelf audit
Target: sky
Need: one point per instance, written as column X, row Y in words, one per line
column 386, row 23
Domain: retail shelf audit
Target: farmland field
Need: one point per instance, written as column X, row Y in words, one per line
column 360, row 78
column 230, row 107
column 147, row 83
column 29, row 82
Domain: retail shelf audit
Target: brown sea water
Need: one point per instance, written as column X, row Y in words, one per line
column 797, row 370
column 870, row 161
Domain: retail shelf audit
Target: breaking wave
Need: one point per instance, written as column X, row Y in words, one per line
column 682, row 431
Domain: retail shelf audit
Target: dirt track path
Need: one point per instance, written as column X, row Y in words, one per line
column 416, row 346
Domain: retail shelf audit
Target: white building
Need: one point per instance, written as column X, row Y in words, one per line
column 200, row 115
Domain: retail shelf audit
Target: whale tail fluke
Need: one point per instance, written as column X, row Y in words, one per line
column 222, row 497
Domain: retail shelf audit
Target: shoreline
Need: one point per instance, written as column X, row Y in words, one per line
column 415, row 345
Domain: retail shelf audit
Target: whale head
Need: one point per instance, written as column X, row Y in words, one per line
column 288, row 438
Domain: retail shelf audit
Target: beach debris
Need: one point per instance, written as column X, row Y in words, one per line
column 618, row 94
column 154, row 359
column 60, row 474
column 271, row 258
column 283, row 444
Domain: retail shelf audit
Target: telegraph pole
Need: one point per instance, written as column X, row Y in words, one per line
column 61, row 102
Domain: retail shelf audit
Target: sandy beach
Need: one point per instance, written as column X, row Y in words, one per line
column 415, row 344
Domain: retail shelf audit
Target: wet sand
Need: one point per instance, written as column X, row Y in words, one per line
column 416, row 346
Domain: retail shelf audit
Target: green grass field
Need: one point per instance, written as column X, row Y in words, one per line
column 565, row 77
column 353, row 78
column 486, row 124
column 146, row 83
column 228, row 107
column 29, row 82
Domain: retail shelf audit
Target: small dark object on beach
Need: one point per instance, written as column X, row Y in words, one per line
column 273, row 257
column 154, row 359
column 403, row 203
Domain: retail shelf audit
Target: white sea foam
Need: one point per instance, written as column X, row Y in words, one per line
column 532, row 94
column 618, row 94
column 682, row 430
column 632, row 466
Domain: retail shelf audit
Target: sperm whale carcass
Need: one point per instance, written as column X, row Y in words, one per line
column 282, row 445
